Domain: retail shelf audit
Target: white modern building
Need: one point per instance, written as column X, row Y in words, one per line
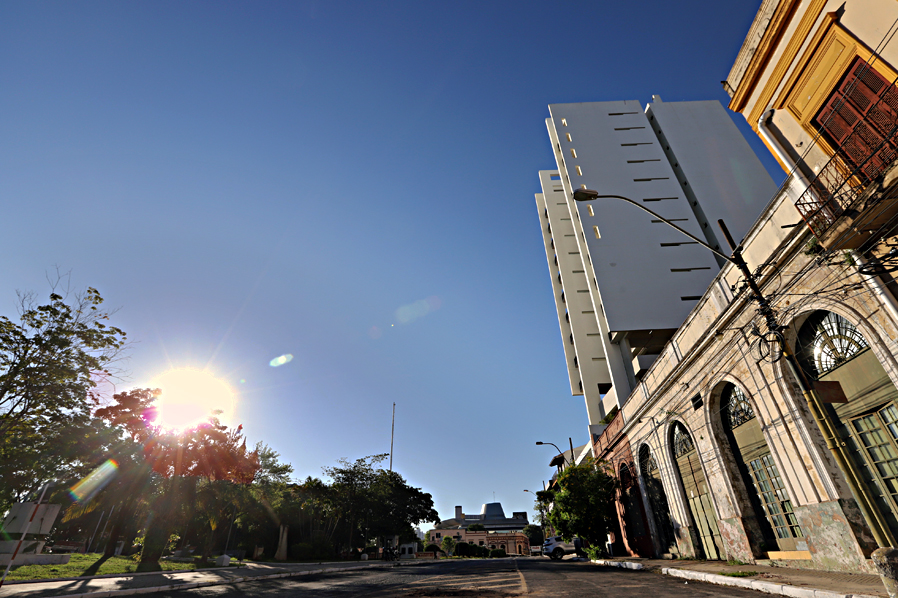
column 623, row 280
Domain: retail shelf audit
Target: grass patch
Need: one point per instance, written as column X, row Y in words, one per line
column 739, row 573
column 89, row 564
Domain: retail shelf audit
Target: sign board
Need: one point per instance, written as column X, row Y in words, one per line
column 20, row 513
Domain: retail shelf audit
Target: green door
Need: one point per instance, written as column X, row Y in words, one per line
column 697, row 494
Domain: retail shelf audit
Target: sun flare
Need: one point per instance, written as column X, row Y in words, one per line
column 190, row 396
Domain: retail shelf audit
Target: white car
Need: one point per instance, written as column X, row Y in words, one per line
column 555, row 547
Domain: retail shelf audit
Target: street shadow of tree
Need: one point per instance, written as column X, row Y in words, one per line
column 92, row 570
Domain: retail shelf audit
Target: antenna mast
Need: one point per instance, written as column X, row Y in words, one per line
column 392, row 431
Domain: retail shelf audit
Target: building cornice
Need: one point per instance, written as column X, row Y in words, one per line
column 773, row 31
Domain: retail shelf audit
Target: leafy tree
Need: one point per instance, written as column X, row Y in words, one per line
column 50, row 362
column 208, row 451
column 396, row 507
column 584, row 502
column 351, row 496
column 52, row 359
column 534, row 534
column 374, row 502
column 448, row 544
column 476, row 527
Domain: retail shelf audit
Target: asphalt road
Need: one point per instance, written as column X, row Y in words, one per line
column 494, row 578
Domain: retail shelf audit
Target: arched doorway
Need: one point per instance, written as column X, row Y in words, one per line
column 832, row 349
column 654, row 489
column 697, row 495
column 631, row 502
column 768, row 495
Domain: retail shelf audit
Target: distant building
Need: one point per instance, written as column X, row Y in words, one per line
column 491, row 516
column 510, row 542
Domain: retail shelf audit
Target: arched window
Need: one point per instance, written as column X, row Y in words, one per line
column 682, row 442
column 647, row 463
column 826, row 341
column 738, row 409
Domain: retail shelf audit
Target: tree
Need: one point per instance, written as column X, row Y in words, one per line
column 534, row 534
column 584, row 502
column 476, row 527
column 53, row 358
column 448, row 544
column 208, row 450
column 50, row 361
column 396, row 507
column 374, row 502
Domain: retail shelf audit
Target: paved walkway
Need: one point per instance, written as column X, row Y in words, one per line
column 140, row 583
column 839, row 584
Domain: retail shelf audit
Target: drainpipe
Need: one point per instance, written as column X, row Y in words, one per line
column 781, row 153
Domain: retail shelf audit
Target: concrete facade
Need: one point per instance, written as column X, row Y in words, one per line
column 624, row 281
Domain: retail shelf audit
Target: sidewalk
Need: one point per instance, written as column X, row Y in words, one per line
column 145, row 583
column 797, row 583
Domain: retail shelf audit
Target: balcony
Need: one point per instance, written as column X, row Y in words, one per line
column 850, row 203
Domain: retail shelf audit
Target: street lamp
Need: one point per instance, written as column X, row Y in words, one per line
column 881, row 532
column 560, row 452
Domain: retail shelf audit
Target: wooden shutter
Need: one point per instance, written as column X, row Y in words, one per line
column 859, row 115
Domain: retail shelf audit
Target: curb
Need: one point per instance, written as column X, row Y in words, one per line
column 204, row 584
column 105, row 575
column 767, row 587
column 619, row 564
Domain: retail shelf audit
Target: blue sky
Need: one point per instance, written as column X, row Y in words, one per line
column 246, row 180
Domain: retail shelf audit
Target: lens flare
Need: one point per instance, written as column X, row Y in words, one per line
column 279, row 361
column 418, row 309
column 95, row 481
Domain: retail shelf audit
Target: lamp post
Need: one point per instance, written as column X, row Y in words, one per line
column 834, row 443
column 560, row 452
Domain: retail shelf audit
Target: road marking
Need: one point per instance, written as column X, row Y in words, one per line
column 523, row 581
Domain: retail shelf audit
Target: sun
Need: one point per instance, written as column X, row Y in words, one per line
column 190, row 396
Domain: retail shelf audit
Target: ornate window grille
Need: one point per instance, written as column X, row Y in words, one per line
column 836, row 341
column 647, row 461
column 682, row 441
column 738, row 408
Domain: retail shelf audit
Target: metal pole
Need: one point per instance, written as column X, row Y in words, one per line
column 392, row 431
column 878, row 526
column 95, row 531
column 112, row 510
column 27, row 527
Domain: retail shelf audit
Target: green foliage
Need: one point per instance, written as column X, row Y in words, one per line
column 584, row 502
column 497, row 553
column 373, row 502
column 476, row 527
column 609, row 416
column 594, row 552
column 739, row 573
column 50, row 362
column 464, row 549
column 534, row 534
column 432, row 548
column 448, row 544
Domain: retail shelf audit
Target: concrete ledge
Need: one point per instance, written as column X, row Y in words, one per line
column 756, row 584
column 619, row 564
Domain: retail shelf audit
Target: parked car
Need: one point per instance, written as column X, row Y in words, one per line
column 555, row 547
